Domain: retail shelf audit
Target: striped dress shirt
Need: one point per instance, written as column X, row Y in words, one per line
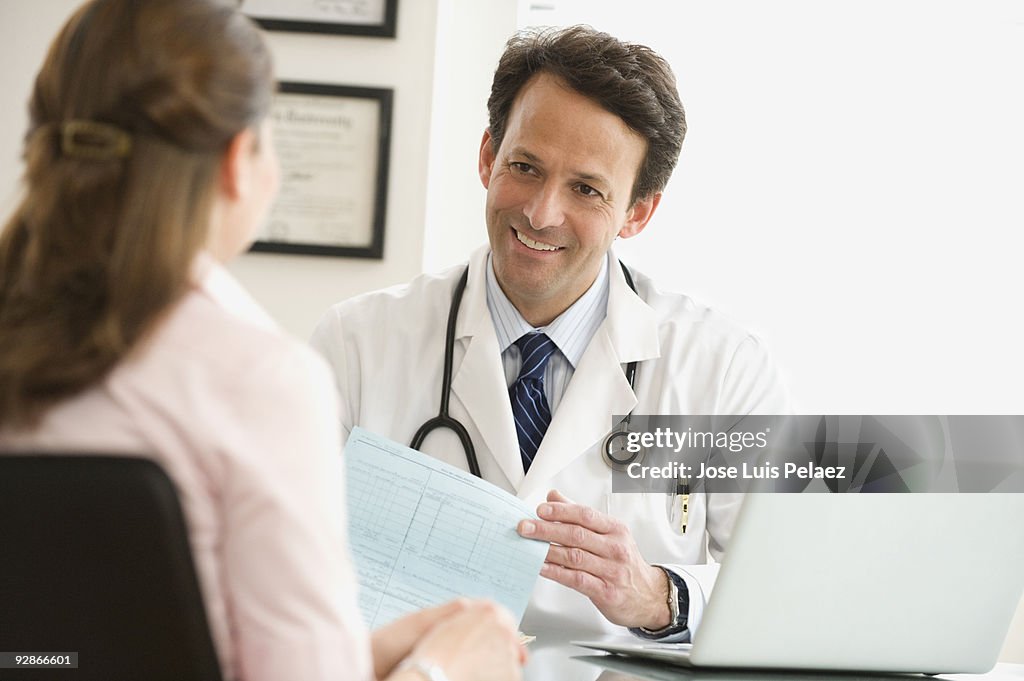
column 571, row 332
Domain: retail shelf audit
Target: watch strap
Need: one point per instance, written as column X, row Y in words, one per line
column 679, row 607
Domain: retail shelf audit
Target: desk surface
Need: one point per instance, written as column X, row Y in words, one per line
column 553, row 658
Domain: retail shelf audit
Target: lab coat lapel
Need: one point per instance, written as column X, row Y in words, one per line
column 479, row 381
column 598, row 389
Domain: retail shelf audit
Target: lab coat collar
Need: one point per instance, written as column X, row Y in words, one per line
column 473, row 313
column 479, row 381
column 632, row 324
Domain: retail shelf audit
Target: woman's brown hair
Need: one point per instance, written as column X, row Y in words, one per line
column 132, row 110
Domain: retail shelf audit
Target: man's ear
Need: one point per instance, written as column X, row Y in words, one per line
column 236, row 165
column 639, row 214
column 486, row 161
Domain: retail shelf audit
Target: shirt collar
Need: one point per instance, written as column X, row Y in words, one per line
column 571, row 331
column 217, row 284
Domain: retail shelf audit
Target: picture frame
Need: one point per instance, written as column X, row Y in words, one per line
column 374, row 18
column 333, row 146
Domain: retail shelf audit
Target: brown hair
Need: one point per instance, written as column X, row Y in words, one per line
column 114, row 214
column 629, row 80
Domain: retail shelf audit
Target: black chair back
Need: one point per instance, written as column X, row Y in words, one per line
column 95, row 559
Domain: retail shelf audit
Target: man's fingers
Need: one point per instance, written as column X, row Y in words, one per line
column 578, row 559
column 555, row 495
column 584, row 582
column 576, row 514
column 564, row 534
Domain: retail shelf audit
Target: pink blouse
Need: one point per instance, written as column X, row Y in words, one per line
column 244, row 420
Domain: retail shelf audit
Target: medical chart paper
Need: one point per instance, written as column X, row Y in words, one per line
column 423, row 532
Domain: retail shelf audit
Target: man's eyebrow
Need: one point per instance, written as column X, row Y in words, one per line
column 595, row 178
column 519, row 151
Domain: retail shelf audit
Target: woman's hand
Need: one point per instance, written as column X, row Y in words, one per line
column 393, row 642
column 476, row 642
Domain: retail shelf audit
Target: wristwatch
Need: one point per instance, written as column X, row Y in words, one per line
column 678, row 606
column 425, row 668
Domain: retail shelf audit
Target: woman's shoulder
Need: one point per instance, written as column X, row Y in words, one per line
column 203, row 339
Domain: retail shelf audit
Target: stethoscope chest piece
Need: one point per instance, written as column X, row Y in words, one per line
column 615, row 451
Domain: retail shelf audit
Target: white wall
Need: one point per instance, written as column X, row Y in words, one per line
column 471, row 37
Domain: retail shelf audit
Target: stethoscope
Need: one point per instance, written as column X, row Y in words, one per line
column 613, row 450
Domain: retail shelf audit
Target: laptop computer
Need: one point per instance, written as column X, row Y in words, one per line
column 924, row 583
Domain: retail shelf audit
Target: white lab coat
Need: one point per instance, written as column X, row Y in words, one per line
column 387, row 352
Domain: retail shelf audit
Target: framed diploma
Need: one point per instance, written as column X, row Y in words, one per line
column 332, row 142
column 352, row 17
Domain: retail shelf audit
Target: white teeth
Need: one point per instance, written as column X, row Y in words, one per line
column 535, row 245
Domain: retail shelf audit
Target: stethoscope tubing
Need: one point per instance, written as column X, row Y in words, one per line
column 443, row 418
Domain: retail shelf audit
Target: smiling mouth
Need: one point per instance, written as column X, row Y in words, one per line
column 533, row 245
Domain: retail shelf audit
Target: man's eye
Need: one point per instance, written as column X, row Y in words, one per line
column 520, row 167
column 587, row 190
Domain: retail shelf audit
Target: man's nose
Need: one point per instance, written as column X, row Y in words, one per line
column 545, row 208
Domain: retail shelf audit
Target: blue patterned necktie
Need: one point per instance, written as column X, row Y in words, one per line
column 529, row 405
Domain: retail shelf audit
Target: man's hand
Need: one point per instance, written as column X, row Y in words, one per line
column 595, row 554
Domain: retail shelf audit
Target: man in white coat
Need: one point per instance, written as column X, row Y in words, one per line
column 583, row 135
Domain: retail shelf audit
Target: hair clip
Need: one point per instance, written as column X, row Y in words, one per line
column 94, row 141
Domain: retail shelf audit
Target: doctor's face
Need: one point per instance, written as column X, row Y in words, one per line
column 559, row 191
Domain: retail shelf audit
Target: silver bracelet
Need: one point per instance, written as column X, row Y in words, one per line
column 428, row 670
